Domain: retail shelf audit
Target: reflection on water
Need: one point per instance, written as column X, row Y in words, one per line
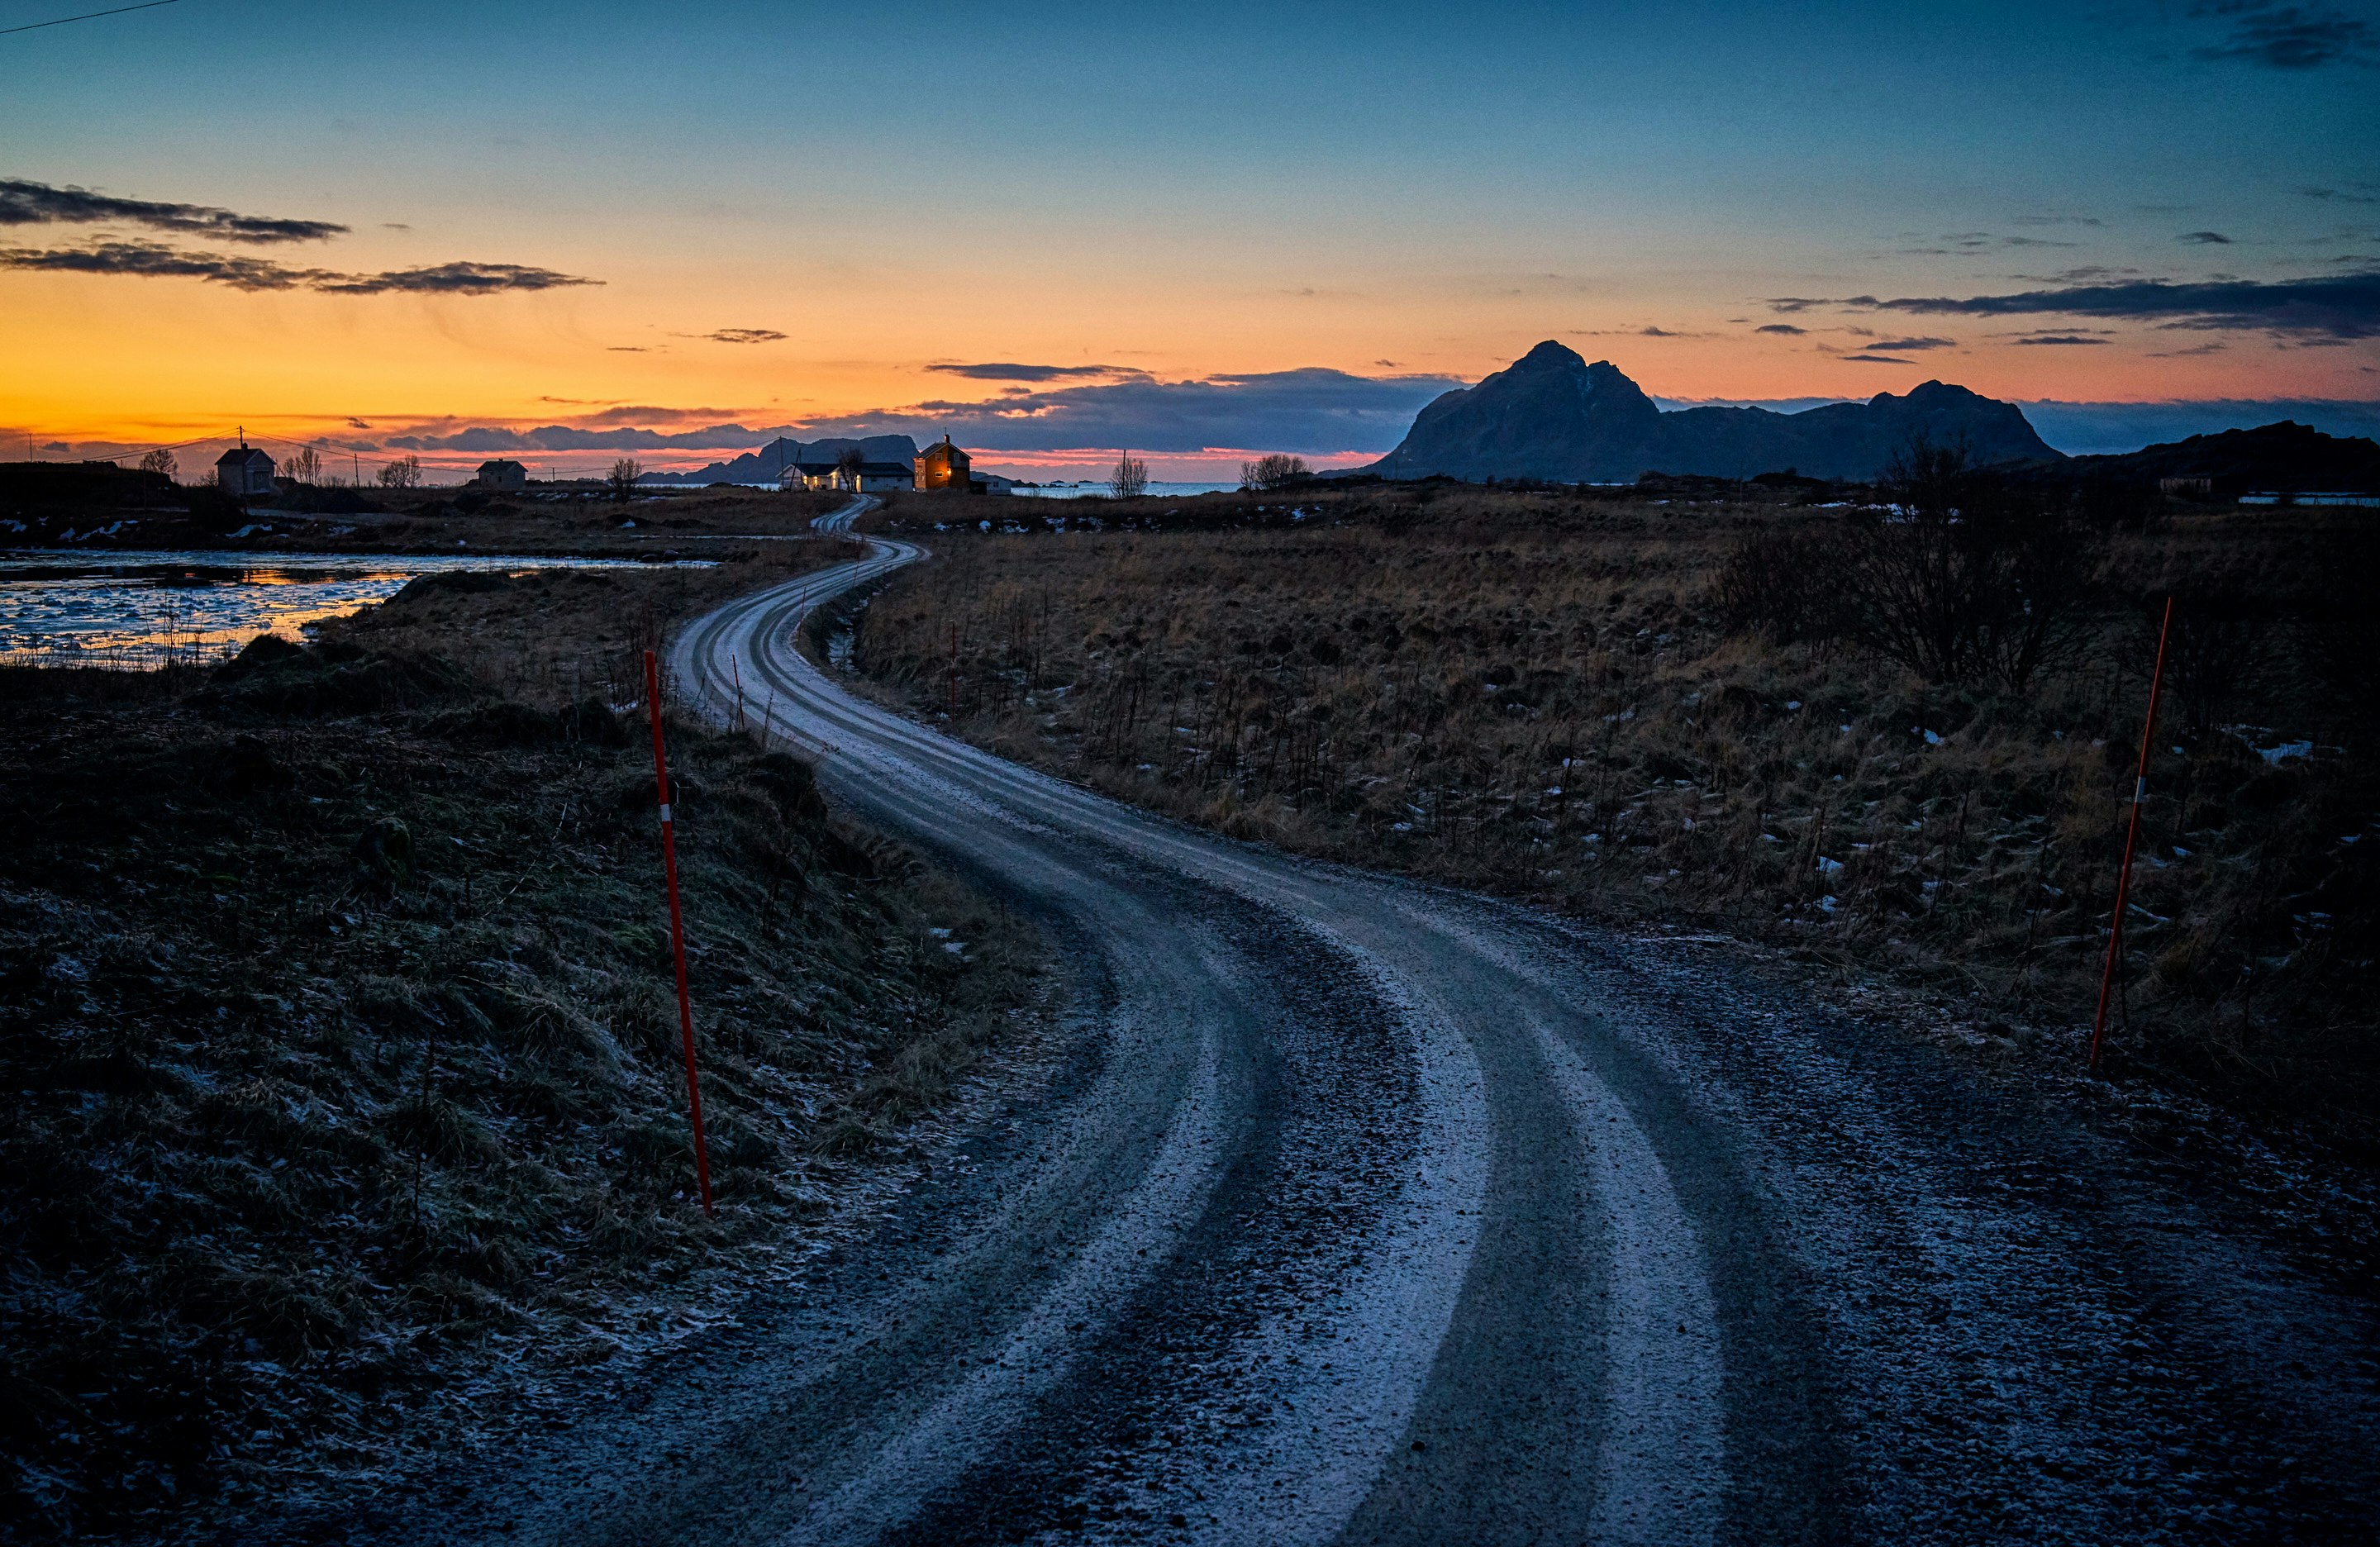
column 127, row 609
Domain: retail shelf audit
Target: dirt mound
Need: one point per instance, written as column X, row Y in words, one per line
column 274, row 676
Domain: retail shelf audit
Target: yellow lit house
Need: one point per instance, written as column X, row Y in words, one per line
column 943, row 466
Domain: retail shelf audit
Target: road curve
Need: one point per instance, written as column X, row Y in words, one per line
column 1365, row 1212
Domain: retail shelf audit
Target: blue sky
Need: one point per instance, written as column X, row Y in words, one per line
column 1213, row 194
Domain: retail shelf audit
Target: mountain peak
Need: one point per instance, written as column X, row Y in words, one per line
column 1549, row 415
column 1552, row 354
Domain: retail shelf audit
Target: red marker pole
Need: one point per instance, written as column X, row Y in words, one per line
column 2131, row 837
column 677, row 930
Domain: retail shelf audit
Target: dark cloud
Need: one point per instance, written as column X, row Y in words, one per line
column 357, row 424
column 1312, row 411
column 2340, row 196
column 149, row 260
column 453, row 279
column 2288, row 37
column 2206, row 238
column 624, row 413
column 573, row 437
column 1959, row 243
column 2338, row 306
column 2058, row 339
column 1877, row 359
column 1004, row 371
column 1786, row 328
column 626, row 349
column 29, row 204
column 1790, row 304
column 1906, row 346
column 745, row 336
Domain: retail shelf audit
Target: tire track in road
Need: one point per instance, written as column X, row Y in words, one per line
column 1483, row 1406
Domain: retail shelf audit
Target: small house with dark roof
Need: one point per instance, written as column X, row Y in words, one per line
column 944, row 466
column 869, row 478
column 244, row 473
column 501, row 473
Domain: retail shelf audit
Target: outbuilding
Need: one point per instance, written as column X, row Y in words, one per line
column 244, row 473
column 501, row 473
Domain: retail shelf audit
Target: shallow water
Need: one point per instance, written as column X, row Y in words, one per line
column 143, row 608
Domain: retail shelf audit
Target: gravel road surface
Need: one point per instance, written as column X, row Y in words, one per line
column 1359, row 1210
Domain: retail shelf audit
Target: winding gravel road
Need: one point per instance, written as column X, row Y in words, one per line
column 1360, row 1210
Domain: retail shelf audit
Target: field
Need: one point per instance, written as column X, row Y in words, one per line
column 344, row 1103
column 427, row 521
column 1627, row 710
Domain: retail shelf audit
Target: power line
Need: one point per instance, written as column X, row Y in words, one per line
column 87, row 16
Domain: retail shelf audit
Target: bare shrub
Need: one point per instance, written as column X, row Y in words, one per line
column 623, row 478
column 403, row 473
column 2220, row 640
column 160, row 461
column 1781, row 582
column 303, row 466
column 1274, row 471
column 1129, row 478
column 1968, row 580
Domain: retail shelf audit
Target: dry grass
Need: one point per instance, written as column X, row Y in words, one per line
column 440, row 520
column 1536, row 694
column 555, row 636
column 341, row 1084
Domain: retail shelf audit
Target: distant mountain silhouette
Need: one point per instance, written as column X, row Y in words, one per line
column 765, row 464
column 2288, row 457
column 1551, row 416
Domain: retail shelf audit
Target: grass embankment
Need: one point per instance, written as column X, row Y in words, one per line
column 1571, row 700
column 342, row 1087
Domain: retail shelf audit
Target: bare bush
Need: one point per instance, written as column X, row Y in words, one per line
column 303, row 466
column 1129, row 480
column 1274, row 471
column 160, row 461
column 1781, row 582
column 2219, row 640
column 403, row 473
column 623, row 478
column 1967, row 582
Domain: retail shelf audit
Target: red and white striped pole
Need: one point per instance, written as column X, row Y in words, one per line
column 677, row 930
column 2131, row 837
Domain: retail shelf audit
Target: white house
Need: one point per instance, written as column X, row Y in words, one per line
column 872, row 478
column 501, row 473
column 244, row 473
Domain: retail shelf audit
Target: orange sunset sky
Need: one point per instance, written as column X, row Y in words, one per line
column 1059, row 232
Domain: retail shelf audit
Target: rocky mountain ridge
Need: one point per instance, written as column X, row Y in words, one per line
column 766, row 464
column 1552, row 416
